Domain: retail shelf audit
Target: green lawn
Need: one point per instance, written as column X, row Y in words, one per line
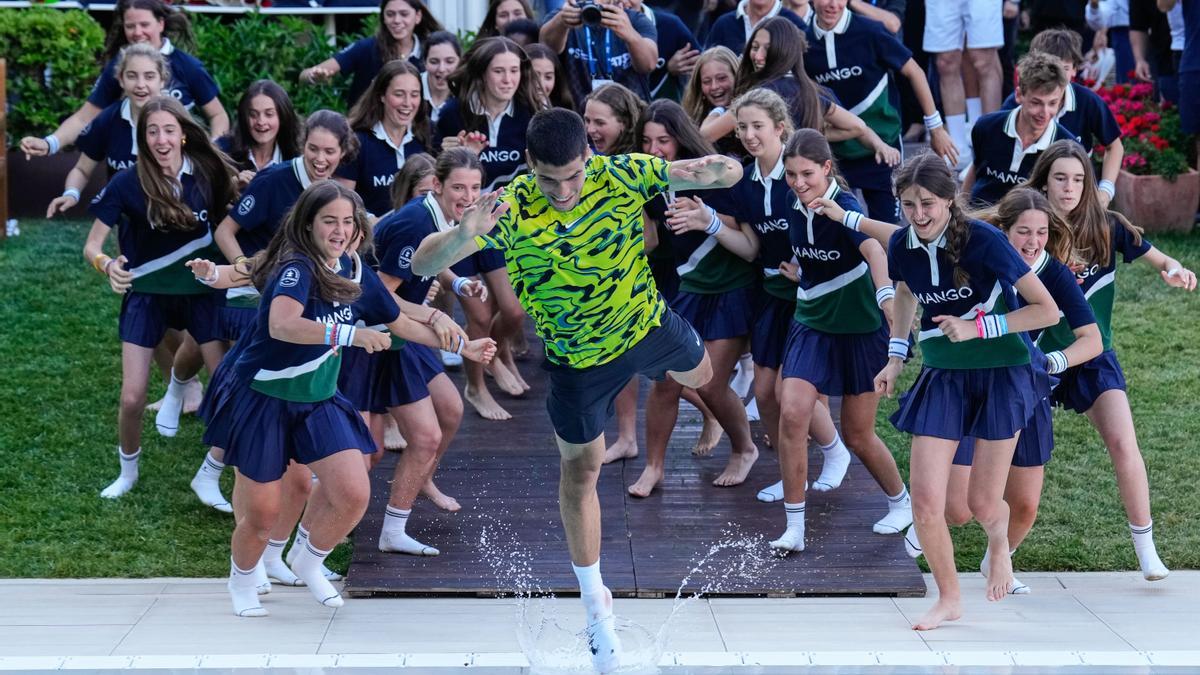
column 61, row 378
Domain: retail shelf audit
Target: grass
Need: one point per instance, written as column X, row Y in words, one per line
column 60, row 382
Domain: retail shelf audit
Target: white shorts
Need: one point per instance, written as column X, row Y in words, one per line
column 947, row 22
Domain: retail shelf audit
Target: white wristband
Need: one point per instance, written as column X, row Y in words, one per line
column 898, row 348
column 461, row 343
column 714, row 225
column 209, row 281
column 52, row 141
column 933, row 121
column 1056, row 362
column 1107, row 187
column 717, row 110
column 72, row 192
column 457, row 286
column 852, row 220
column 345, row 334
column 884, row 294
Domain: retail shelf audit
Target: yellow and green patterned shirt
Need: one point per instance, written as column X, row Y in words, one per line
column 582, row 274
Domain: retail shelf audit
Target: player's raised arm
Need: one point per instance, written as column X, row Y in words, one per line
column 439, row 251
column 705, row 173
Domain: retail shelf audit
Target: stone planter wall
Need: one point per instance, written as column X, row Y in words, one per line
column 1157, row 204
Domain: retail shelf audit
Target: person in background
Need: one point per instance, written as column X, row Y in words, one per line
column 549, row 73
column 710, row 91
column 522, row 31
column 443, row 53
column 621, row 49
column 733, row 30
column 980, row 23
column 1110, row 20
column 678, row 50
column 403, row 24
column 500, row 13
column 267, row 131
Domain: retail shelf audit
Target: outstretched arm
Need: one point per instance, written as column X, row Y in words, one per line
column 705, row 173
column 441, row 250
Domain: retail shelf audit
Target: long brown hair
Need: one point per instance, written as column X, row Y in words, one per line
column 694, row 103
column 212, row 170
column 369, row 108
column 335, row 123
column 785, row 57
column 241, row 142
column 488, row 27
column 416, row 168
column 176, row 26
column 679, row 126
column 467, row 81
column 386, row 44
column 294, row 241
column 929, row 171
column 627, row 108
column 1091, row 230
column 1005, row 213
column 561, row 96
column 812, row 145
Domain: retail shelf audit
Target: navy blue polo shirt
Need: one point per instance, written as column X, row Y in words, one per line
column 156, row 257
column 704, row 266
column 998, row 167
column 992, row 266
column 1073, row 308
column 836, row 292
column 375, row 166
column 266, row 201
column 1191, row 36
column 308, row 373
column 598, row 54
column 225, row 143
column 729, row 30
column 855, row 59
column 673, row 35
column 1084, row 114
column 397, row 237
column 360, row 60
column 763, row 202
column 110, row 137
column 504, row 157
column 190, row 83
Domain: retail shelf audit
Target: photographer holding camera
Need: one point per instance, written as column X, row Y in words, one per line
column 602, row 41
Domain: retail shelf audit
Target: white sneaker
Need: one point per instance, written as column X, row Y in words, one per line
column 912, row 545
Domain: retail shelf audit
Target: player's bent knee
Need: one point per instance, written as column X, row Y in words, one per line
column 696, row 377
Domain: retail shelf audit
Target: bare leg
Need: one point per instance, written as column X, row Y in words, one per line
column 1023, row 493
column 929, row 473
column 1111, row 417
column 346, row 489
column 509, row 322
column 626, row 446
column 985, row 496
column 858, row 432
column 986, row 63
column 418, row 423
column 768, row 403
column 578, row 503
column 257, row 510
column 662, row 410
column 710, row 432
column 135, row 376
column 449, row 408
column 479, row 318
column 958, row 512
column 950, row 81
column 729, row 411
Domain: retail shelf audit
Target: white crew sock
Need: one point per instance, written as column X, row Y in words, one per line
column 771, row 493
column 837, row 461
column 272, row 562
column 1153, row 568
column 298, row 545
column 974, row 110
column 912, row 545
column 899, row 515
column 167, row 419
column 243, row 593
column 309, row 565
column 262, row 583
column 394, row 539
column 1018, row 587
column 743, row 376
column 793, row 537
column 601, row 627
column 207, row 484
column 956, row 125
column 128, row 478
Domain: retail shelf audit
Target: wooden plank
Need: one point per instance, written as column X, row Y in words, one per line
column 506, row 476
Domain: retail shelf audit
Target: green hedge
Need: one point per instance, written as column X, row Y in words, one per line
column 53, row 60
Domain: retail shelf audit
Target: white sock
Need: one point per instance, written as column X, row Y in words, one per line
column 956, row 125
column 792, row 538
column 752, row 414
column 1018, row 587
column 1153, row 568
column 243, row 593
column 393, row 538
column 837, row 461
column 899, row 515
column 743, row 376
column 206, row 484
column 129, row 475
column 912, row 545
column 272, row 561
column 298, row 545
column 601, row 628
column 167, row 419
column 309, row 565
column 771, row 493
column 974, row 110
column 262, row 583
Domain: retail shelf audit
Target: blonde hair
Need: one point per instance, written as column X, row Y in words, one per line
column 770, row 103
column 694, row 103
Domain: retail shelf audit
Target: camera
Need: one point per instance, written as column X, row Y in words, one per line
column 589, row 12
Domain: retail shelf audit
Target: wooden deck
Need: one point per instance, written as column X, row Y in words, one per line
column 506, row 476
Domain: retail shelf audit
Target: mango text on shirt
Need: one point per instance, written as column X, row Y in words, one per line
column 948, row 295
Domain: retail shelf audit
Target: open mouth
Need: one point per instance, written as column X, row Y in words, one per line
column 321, row 169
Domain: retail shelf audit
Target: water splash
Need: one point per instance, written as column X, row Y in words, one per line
column 736, row 561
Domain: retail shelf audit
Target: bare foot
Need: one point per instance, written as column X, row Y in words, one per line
column 999, row 574
column 710, row 435
column 392, row 440
column 439, row 498
column 737, row 469
column 624, row 448
column 484, row 404
column 650, row 478
column 943, row 610
column 504, row 378
column 516, row 372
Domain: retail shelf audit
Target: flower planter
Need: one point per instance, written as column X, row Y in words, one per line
column 1157, row 204
column 32, row 184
